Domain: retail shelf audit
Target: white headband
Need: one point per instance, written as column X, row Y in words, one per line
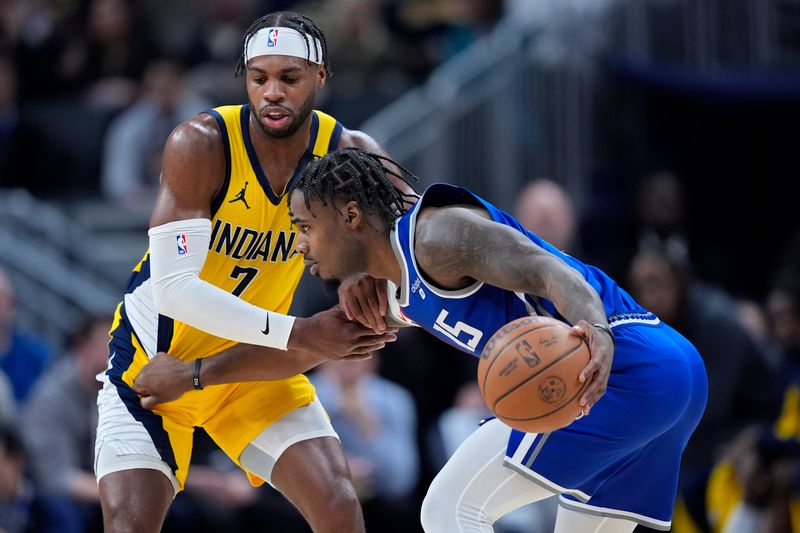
column 283, row 42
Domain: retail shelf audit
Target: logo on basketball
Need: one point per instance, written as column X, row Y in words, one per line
column 525, row 350
column 528, row 374
column 509, row 368
column 552, row 390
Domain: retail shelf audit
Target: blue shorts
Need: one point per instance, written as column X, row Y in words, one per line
column 624, row 458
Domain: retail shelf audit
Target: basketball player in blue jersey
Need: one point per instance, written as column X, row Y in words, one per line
column 461, row 268
column 221, row 269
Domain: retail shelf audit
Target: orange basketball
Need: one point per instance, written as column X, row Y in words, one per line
column 528, row 374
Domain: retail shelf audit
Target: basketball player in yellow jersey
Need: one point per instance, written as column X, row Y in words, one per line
column 221, row 270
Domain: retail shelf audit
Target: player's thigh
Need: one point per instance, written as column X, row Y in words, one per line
column 474, row 481
column 136, row 461
column 308, row 423
column 135, row 500
column 301, row 456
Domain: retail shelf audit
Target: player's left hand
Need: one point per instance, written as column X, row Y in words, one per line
column 163, row 379
column 364, row 298
column 601, row 350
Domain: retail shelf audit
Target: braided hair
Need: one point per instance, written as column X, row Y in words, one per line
column 355, row 174
column 287, row 19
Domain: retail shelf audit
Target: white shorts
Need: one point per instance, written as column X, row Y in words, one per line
column 123, row 443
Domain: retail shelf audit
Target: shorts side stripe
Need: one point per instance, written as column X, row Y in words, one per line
column 122, row 359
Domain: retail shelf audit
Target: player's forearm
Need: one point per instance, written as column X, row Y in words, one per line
column 574, row 298
column 177, row 254
column 247, row 362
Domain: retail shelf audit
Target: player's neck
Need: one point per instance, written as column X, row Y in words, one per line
column 383, row 264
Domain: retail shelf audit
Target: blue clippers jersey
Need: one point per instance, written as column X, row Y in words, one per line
column 468, row 317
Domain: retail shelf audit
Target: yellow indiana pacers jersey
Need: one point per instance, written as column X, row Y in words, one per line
column 252, row 241
column 252, row 251
column 252, row 255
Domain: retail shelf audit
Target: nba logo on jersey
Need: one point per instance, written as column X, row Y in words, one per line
column 183, row 249
column 272, row 37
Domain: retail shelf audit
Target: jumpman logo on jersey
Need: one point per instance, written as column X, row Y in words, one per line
column 241, row 197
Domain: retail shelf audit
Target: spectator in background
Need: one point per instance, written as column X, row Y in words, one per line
column 360, row 46
column 756, row 487
column 661, row 213
column 135, row 138
column 48, row 42
column 753, row 317
column 20, row 142
column 545, row 208
column 457, row 23
column 22, row 356
column 8, row 407
column 704, row 314
column 9, row 117
column 22, row 509
column 59, row 419
column 214, row 45
column 117, row 48
column 376, row 421
column 458, row 422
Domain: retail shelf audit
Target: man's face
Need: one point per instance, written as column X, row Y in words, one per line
column 655, row 286
column 785, row 318
column 328, row 244
column 281, row 90
column 12, row 467
column 7, row 302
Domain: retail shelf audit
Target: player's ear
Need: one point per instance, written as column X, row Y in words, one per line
column 321, row 77
column 352, row 214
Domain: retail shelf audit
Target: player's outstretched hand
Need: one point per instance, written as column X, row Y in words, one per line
column 163, row 379
column 331, row 335
column 364, row 298
column 601, row 350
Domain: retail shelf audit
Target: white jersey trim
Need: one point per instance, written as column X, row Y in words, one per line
column 650, row 321
column 662, row 525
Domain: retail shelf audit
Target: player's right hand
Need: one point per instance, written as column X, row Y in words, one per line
column 163, row 379
column 331, row 335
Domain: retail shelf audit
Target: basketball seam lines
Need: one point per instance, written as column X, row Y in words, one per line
column 526, row 380
column 554, row 410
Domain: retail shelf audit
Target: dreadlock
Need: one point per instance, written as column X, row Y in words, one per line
column 287, row 19
column 355, row 174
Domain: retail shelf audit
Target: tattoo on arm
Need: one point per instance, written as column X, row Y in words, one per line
column 457, row 245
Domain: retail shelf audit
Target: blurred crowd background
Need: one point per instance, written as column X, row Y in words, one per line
column 656, row 139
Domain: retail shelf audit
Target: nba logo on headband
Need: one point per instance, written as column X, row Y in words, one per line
column 292, row 43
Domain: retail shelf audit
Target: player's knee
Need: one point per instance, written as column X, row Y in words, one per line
column 118, row 517
column 340, row 506
column 437, row 513
column 134, row 500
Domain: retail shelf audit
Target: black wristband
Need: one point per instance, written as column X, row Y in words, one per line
column 196, row 376
column 607, row 329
